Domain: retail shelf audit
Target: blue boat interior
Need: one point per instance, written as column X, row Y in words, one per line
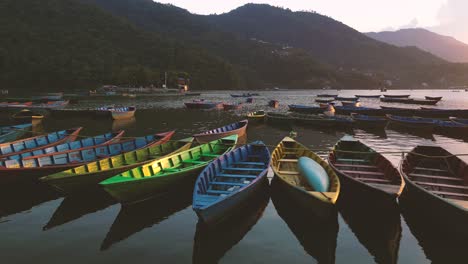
column 36, row 142
column 227, row 128
column 230, row 173
column 84, row 155
column 83, row 143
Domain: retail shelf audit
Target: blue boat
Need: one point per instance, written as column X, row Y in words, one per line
column 457, row 120
column 229, row 181
column 369, row 121
column 67, row 145
column 9, row 133
column 306, row 109
column 413, row 122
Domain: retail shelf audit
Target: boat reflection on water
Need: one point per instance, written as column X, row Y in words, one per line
column 75, row 207
column 123, row 124
column 438, row 245
column 15, row 198
column 211, row 242
column 133, row 218
column 376, row 225
column 317, row 236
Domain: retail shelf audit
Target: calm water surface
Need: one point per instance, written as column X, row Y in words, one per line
column 38, row 225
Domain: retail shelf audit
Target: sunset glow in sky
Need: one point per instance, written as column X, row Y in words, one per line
column 446, row 17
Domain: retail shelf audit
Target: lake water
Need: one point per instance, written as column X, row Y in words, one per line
column 38, row 225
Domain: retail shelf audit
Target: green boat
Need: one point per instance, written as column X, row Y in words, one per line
column 147, row 181
column 89, row 175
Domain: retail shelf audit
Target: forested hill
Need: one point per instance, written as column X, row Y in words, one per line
column 63, row 44
column 325, row 38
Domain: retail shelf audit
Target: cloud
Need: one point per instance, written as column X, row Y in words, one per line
column 453, row 20
column 412, row 24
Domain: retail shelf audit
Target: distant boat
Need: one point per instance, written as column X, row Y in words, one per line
column 349, row 99
column 273, row 103
column 244, row 95
column 27, row 115
column 123, row 112
column 228, row 107
column 413, row 122
column 322, row 100
column 327, row 95
column 369, row 121
column 202, row 104
column 396, row 95
column 238, row 128
column 257, row 116
column 409, row 101
column 192, row 94
column 438, row 98
column 355, row 104
column 368, row 96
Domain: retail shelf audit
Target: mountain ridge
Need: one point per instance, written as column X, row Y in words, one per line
column 445, row 47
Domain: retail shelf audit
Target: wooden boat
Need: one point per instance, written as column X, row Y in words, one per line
column 307, row 109
column 228, row 107
column 369, row 121
column 450, row 127
column 280, row 119
column 27, row 115
column 413, row 122
column 9, row 133
column 322, row 100
column 54, row 142
column 364, row 171
column 153, row 178
column 436, row 182
column 347, row 110
column 229, row 181
column 257, row 116
column 284, row 164
column 327, row 95
column 409, row 101
column 238, row 129
column 354, row 104
column 244, row 95
column 396, row 95
column 123, row 112
column 321, row 120
column 368, row 96
column 249, row 100
column 18, row 147
column 436, row 98
column 273, row 103
column 192, row 94
column 37, row 166
column 202, row 104
column 441, row 113
column 90, row 174
column 347, row 99
column 461, row 121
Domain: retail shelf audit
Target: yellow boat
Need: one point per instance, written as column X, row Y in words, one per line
column 257, row 116
column 284, row 163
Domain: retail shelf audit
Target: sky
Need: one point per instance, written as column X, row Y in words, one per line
column 447, row 17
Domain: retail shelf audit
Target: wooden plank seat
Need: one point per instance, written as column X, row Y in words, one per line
column 194, row 161
column 451, row 193
column 227, row 175
column 249, row 163
column 217, row 192
column 289, row 172
column 436, row 177
column 205, row 199
column 288, row 160
column 242, row 169
column 353, row 160
column 431, row 169
column 289, row 153
column 228, row 183
column 373, row 180
column 356, row 166
column 461, row 187
column 375, row 173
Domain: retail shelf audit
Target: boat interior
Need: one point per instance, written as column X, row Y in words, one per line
column 356, row 160
column 439, row 173
column 235, row 170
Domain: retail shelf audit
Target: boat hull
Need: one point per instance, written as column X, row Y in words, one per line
column 305, row 201
column 123, row 115
column 13, row 135
column 205, row 138
column 444, row 214
column 137, row 191
column 232, row 204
